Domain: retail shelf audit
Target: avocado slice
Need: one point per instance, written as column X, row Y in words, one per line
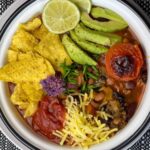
column 91, row 35
column 88, row 46
column 109, row 26
column 114, row 38
column 75, row 53
column 98, row 12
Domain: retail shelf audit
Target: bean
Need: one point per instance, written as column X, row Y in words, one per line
column 119, row 97
column 125, row 40
column 94, row 104
column 117, row 121
column 117, row 87
column 80, row 79
column 126, row 92
column 101, row 60
column 102, row 77
column 110, row 81
column 99, row 96
column 90, row 109
column 130, row 85
column 90, row 69
column 91, row 81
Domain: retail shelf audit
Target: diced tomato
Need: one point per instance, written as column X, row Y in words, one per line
column 124, row 61
column 49, row 117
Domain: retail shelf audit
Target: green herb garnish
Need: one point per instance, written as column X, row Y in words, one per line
column 72, row 72
column 91, row 75
column 83, row 88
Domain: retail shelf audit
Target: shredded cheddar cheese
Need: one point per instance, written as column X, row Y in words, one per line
column 82, row 129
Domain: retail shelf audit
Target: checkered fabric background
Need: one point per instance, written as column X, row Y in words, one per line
column 142, row 144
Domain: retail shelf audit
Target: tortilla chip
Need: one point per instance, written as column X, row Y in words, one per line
column 33, row 91
column 52, row 49
column 41, row 32
column 31, row 109
column 12, row 55
column 26, row 70
column 19, row 97
column 27, row 96
column 23, row 41
column 17, row 55
column 32, row 25
column 28, row 55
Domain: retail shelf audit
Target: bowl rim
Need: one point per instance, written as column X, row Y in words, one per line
column 133, row 6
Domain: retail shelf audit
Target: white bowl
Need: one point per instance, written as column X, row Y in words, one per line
column 17, row 122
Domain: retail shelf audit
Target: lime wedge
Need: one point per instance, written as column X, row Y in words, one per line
column 60, row 16
column 84, row 5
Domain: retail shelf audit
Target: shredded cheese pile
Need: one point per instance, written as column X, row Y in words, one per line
column 82, row 129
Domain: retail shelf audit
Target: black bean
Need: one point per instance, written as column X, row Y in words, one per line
column 102, row 77
column 119, row 97
column 104, row 121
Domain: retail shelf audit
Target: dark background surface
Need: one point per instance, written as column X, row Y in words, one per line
column 142, row 144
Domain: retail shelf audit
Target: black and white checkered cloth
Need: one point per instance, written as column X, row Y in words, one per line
column 142, row 144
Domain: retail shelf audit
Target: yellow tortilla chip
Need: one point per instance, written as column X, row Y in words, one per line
column 28, row 55
column 12, row 55
column 26, row 70
column 19, row 97
column 32, row 25
column 17, row 55
column 27, row 96
column 41, row 32
column 33, row 91
column 52, row 49
column 31, row 109
column 23, row 41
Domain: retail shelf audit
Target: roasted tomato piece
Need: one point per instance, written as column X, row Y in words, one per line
column 124, row 61
column 49, row 117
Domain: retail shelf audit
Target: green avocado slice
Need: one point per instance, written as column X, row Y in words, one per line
column 98, row 12
column 88, row 46
column 114, row 38
column 91, row 35
column 75, row 53
column 110, row 26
